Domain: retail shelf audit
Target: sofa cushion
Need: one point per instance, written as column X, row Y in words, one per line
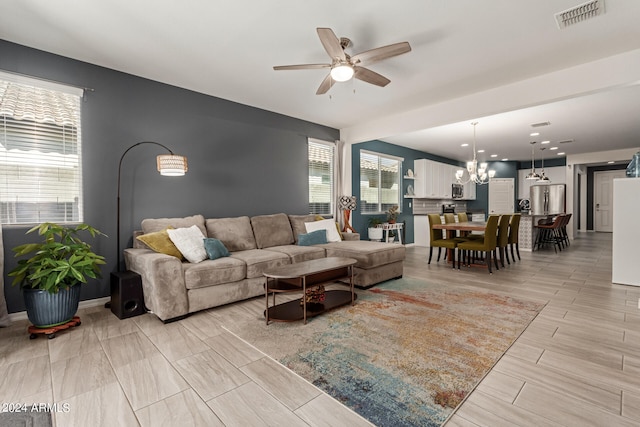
column 258, row 261
column 369, row 254
column 297, row 224
column 272, row 230
column 325, row 224
column 160, row 242
column 189, row 241
column 300, row 253
column 151, row 225
column 214, row 248
column 235, row 234
column 213, row 272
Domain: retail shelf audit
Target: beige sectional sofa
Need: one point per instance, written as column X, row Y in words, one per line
column 173, row 288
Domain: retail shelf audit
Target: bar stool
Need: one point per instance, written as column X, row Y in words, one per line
column 549, row 233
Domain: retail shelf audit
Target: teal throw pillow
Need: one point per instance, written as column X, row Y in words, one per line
column 215, row 248
column 313, row 238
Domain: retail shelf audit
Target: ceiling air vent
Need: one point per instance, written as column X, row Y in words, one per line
column 566, row 141
column 538, row 125
column 580, row 13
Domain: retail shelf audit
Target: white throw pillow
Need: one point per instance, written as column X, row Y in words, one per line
column 325, row 224
column 189, row 241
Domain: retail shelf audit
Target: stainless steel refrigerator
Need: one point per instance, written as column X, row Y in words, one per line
column 547, row 199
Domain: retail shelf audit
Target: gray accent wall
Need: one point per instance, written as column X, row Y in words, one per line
column 242, row 160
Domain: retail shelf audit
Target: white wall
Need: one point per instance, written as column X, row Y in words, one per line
column 556, row 174
column 574, row 163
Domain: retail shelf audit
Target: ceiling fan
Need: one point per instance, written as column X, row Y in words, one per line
column 344, row 67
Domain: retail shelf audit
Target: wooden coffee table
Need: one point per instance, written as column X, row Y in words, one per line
column 304, row 275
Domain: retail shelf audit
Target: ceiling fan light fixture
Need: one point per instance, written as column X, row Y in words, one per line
column 342, row 71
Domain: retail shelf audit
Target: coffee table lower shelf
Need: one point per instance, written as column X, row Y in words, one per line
column 293, row 311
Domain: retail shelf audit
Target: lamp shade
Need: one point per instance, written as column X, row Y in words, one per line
column 342, row 72
column 172, row 165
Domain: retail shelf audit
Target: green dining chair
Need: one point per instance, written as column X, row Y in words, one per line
column 514, row 228
column 487, row 244
column 503, row 238
column 438, row 240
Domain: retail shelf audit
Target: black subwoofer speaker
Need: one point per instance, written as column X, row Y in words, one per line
column 127, row 299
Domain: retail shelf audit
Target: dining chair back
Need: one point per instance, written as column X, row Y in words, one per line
column 503, row 238
column 437, row 239
column 487, row 244
column 514, row 229
column 462, row 217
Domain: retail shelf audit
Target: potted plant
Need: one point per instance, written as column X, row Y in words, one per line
column 375, row 229
column 392, row 214
column 50, row 279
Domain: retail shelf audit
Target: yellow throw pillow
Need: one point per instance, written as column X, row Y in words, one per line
column 160, row 242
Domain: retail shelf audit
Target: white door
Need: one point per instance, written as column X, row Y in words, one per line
column 501, row 195
column 603, row 199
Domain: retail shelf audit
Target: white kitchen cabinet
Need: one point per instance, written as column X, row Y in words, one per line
column 447, row 176
column 469, row 191
column 433, row 179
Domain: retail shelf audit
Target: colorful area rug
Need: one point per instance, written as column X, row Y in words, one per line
column 406, row 354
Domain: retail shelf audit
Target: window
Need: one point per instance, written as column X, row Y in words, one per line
column 379, row 182
column 321, row 178
column 40, row 155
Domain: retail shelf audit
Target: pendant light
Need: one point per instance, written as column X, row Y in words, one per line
column 543, row 178
column 533, row 174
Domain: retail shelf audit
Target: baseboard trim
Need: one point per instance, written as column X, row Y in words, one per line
column 22, row 315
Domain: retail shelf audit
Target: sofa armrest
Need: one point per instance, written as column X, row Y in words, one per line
column 351, row 236
column 163, row 283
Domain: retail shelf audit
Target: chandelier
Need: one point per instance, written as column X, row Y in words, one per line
column 532, row 174
column 479, row 175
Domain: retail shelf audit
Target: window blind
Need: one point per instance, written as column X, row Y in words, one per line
column 379, row 182
column 40, row 154
column 321, row 177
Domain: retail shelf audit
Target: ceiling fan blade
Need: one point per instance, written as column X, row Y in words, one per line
column 380, row 53
column 301, row 67
column 325, row 85
column 372, row 77
column 331, row 43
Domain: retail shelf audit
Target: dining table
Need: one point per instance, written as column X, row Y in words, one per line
column 466, row 226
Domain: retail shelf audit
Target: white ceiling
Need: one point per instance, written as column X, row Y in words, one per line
column 461, row 48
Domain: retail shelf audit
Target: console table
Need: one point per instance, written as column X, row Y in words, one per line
column 302, row 276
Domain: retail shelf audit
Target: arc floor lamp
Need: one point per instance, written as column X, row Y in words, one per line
column 126, row 291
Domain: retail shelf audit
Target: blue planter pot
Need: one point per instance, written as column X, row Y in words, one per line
column 45, row 309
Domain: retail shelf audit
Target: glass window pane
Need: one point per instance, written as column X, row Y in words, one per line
column 321, row 160
column 379, row 182
column 40, row 163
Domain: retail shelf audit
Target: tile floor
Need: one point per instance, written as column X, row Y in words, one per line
column 578, row 363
